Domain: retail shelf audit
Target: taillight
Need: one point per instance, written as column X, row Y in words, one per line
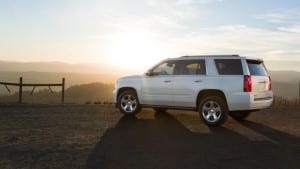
column 270, row 83
column 247, row 83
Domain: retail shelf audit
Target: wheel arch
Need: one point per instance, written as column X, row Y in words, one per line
column 122, row 89
column 210, row 92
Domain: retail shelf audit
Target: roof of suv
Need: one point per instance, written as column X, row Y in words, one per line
column 217, row 56
column 191, row 56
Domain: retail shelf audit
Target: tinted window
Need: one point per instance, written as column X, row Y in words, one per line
column 229, row 66
column 165, row 68
column 256, row 68
column 190, row 67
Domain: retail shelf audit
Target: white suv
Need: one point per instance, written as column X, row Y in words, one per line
column 214, row 86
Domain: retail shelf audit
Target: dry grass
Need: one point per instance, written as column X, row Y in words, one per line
column 51, row 136
column 71, row 136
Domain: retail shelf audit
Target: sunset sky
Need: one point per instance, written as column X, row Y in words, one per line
column 138, row 33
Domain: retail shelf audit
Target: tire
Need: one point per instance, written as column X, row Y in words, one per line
column 239, row 115
column 213, row 110
column 128, row 103
column 160, row 110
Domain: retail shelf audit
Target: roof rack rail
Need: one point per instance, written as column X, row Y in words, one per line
column 236, row 55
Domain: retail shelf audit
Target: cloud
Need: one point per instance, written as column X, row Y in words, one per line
column 81, row 31
column 291, row 29
column 280, row 16
column 240, row 39
column 285, row 55
column 191, row 2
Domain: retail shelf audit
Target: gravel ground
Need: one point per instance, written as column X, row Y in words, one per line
column 98, row 136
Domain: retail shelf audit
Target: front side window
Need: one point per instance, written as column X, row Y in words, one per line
column 165, row 68
column 190, row 67
column 229, row 66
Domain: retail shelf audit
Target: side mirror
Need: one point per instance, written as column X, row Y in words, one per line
column 149, row 73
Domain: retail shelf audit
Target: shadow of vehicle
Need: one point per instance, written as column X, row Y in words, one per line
column 165, row 143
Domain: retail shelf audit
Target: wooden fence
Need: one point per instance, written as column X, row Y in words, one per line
column 34, row 85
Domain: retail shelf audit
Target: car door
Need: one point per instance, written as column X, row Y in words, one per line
column 189, row 77
column 157, row 85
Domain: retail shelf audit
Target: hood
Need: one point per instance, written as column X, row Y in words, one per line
column 132, row 77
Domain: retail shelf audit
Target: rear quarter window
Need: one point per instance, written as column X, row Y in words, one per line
column 257, row 68
column 229, row 66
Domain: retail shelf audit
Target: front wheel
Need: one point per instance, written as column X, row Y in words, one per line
column 128, row 102
column 213, row 110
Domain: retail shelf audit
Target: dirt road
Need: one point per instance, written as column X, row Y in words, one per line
column 95, row 136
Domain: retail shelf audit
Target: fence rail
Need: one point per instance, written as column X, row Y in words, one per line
column 34, row 85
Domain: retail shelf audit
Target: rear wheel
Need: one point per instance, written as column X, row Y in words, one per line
column 128, row 102
column 239, row 115
column 213, row 110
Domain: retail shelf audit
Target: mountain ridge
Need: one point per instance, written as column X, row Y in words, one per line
column 63, row 67
column 285, row 82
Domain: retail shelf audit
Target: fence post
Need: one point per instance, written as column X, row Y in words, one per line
column 20, row 90
column 63, row 90
column 299, row 93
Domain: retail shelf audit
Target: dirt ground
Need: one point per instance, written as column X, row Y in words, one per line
column 98, row 136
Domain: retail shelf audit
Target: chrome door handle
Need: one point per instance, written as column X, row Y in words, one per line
column 197, row 81
column 167, row 81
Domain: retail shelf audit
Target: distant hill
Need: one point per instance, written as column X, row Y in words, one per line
column 52, row 77
column 61, row 67
column 53, row 72
column 287, row 90
column 283, row 65
column 285, row 83
column 285, row 76
column 93, row 92
column 85, row 93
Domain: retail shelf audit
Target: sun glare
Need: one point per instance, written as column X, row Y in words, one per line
column 133, row 48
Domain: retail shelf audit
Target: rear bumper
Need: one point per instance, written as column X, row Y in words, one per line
column 249, row 101
column 261, row 103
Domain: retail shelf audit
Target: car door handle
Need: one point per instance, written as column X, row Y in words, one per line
column 167, row 81
column 198, row 81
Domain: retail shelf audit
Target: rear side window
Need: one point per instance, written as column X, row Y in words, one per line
column 256, row 68
column 190, row 67
column 229, row 66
